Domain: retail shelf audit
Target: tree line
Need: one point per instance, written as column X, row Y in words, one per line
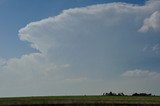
column 122, row 94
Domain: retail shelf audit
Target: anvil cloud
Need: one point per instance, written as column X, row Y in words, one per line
column 87, row 49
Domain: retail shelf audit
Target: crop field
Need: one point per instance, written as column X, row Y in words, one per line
column 154, row 100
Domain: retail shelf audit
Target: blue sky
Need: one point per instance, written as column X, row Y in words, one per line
column 74, row 47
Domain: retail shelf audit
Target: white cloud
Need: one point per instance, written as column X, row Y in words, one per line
column 141, row 74
column 79, row 44
column 153, row 22
column 48, row 32
column 2, row 62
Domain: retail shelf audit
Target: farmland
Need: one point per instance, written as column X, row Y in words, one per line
column 82, row 100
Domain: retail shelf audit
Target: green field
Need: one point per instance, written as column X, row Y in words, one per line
column 81, row 100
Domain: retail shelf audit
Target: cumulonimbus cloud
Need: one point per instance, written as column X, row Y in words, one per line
column 81, row 43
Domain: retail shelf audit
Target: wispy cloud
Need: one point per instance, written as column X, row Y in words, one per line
column 138, row 73
column 154, row 48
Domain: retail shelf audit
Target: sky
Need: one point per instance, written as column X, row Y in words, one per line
column 79, row 47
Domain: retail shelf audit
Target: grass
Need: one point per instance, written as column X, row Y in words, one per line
column 81, row 100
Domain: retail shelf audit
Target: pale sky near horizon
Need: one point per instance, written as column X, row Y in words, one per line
column 77, row 47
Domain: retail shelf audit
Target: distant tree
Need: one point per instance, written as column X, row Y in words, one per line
column 110, row 93
column 120, row 94
column 135, row 94
column 149, row 94
column 141, row 94
column 113, row 94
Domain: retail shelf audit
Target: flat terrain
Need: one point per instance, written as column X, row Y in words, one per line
column 81, row 100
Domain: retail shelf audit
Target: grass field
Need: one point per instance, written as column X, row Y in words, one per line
column 81, row 100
